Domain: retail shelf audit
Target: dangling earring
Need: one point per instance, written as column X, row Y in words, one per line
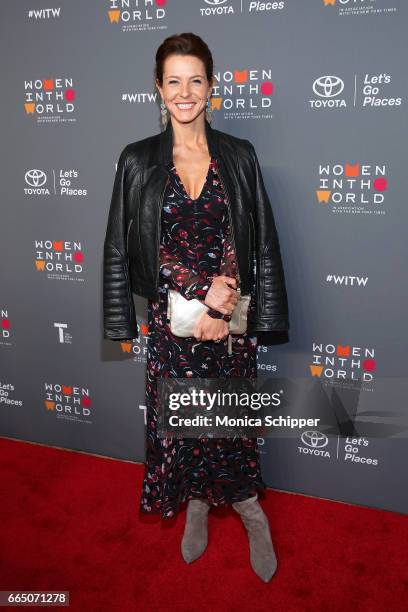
column 208, row 110
column 164, row 114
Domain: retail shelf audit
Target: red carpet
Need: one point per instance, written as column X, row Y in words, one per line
column 70, row 521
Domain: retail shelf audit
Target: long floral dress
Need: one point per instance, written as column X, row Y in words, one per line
column 195, row 246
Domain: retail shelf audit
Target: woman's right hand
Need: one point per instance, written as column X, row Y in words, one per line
column 220, row 296
column 208, row 328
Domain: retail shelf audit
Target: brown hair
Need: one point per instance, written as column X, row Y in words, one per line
column 186, row 43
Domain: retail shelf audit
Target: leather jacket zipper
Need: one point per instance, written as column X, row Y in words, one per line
column 159, row 230
column 251, row 235
column 229, row 343
column 230, row 220
column 127, row 237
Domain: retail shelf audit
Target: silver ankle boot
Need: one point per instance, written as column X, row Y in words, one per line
column 195, row 538
column 263, row 558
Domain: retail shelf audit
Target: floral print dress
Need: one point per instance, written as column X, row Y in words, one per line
column 195, row 246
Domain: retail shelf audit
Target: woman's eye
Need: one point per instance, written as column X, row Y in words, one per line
column 195, row 81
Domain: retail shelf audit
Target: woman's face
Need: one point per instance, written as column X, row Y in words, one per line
column 185, row 87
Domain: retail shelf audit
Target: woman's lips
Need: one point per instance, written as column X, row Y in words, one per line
column 185, row 105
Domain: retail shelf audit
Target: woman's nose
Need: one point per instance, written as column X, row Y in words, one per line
column 185, row 89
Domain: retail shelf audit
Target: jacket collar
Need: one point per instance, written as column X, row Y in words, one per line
column 166, row 142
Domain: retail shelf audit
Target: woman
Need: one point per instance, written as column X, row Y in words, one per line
column 181, row 218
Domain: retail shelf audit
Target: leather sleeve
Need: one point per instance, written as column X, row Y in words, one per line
column 272, row 314
column 119, row 317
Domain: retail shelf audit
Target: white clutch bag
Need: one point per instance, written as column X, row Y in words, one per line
column 182, row 314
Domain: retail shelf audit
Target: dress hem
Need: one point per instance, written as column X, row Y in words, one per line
column 258, row 488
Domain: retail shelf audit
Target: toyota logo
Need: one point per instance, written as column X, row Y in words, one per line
column 314, row 439
column 35, row 178
column 328, row 86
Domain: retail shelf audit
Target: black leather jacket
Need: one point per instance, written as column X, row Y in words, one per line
column 131, row 247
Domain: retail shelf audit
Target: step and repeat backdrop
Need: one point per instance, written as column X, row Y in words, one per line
column 320, row 88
